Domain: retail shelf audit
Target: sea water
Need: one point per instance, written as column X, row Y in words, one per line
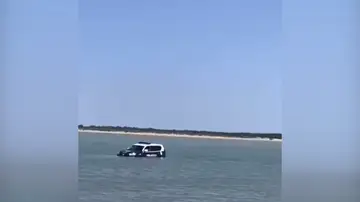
column 194, row 170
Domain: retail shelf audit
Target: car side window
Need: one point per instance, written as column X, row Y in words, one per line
column 155, row 148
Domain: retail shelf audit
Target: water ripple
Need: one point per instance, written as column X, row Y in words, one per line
column 191, row 172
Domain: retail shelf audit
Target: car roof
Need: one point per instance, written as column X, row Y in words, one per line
column 147, row 144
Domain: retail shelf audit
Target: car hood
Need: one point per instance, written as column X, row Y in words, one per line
column 126, row 151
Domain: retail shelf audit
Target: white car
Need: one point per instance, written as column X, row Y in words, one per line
column 144, row 149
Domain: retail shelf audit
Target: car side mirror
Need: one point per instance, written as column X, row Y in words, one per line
column 146, row 150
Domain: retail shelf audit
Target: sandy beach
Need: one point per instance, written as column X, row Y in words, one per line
column 178, row 136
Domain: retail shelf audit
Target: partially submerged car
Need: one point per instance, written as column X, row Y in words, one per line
column 144, row 149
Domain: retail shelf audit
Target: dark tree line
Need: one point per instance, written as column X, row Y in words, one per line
column 180, row 132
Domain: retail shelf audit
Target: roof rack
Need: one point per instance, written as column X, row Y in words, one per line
column 144, row 143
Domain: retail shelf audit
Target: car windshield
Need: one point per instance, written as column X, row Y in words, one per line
column 136, row 148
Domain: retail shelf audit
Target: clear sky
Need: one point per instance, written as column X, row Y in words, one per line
column 211, row 65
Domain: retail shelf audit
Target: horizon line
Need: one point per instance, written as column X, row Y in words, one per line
column 188, row 130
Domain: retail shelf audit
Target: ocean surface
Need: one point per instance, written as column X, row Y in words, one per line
column 194, row 170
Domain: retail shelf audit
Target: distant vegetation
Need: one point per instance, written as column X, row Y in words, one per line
column 180, row 132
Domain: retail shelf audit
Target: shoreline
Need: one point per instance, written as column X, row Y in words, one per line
column 177, row 135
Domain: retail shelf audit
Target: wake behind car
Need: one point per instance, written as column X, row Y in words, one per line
column 144, row 149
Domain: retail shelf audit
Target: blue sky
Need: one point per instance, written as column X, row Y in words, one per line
column 210, row 65
column 191, row 74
